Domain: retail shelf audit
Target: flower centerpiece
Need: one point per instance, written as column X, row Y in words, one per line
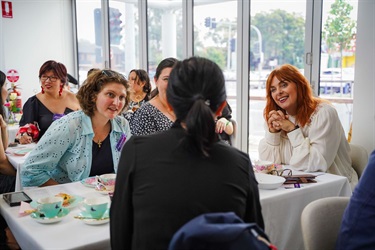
column 14, row 103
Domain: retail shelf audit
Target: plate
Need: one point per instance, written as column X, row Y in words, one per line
column 266, row 181
column 104, row 191
column 86, row 218
column 37, row 216
column 89, row 182
column 74, row 201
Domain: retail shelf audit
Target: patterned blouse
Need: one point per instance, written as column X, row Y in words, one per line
column 149, row 120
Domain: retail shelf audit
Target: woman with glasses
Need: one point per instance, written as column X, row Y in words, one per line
column 155, row 115
column 192, row 173
column 83, row 143
column 52, row 102
column 302, row 130
column 140, row 88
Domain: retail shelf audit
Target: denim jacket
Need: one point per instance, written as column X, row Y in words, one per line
column 64, row 153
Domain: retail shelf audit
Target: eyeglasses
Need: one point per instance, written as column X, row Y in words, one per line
column 284, row 172
column 51, row 78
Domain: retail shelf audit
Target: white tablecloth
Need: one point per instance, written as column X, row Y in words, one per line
column 70, row 233
column 281, row 210
column 17, row 161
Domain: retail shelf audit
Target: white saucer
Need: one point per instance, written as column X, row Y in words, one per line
column 41, row 219
column 86, row 218
column 89, row 182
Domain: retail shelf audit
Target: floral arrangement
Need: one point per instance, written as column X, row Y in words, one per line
column 14, row 103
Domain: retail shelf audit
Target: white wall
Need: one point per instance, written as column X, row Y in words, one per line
column 364, row 95
column 40, row 30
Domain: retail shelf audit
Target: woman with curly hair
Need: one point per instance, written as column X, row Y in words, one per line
column 303, row 131
column 83, row 143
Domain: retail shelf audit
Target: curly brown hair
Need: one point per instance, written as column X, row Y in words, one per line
column 92, row 86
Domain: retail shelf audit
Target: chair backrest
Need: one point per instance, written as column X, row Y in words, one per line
column 321, row 221
column 232, row 137
column 359, row 156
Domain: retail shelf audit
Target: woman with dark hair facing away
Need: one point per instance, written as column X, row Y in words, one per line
column 140, row 88
column 51, row 103
column 192, row 173
column 155, row 115
column 302, row 130
column 83, row 143
column 7, row 171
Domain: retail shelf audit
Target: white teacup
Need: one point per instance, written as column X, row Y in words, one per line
column 95, row 207
column 108, row 179
column 263, row 166
column 50, row 206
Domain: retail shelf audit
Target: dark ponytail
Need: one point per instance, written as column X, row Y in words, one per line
column 196, row 89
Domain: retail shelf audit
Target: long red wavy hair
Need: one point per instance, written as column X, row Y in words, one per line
column 306, row 101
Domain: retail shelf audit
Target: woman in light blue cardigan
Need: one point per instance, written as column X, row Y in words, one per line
column 83, row 143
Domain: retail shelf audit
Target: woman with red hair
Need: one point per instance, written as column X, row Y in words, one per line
column 303, row 131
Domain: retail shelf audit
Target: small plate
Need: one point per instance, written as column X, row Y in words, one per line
column 89, row 182
column 75, row 200
column 266, row 181
column 100, row 188
column 86, row 218
column 37, row 216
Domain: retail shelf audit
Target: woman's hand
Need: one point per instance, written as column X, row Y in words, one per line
column 25, row 139
column 220, row 125
column 273, row 122
column 3, row 124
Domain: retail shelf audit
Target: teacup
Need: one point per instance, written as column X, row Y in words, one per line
column 50, row 206
column 95, row 207
column 263, row 166
column 108, row 179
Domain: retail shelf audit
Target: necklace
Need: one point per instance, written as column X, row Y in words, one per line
column 99, row 143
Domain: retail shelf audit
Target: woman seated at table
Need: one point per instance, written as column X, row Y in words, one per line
column 7, row 171
column 140, row 88
column 83, row 143
column 302, row 130
column 51, row 103
column 155, row 115
column 193, row 172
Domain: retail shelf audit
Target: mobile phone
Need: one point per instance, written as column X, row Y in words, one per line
column 15, row 198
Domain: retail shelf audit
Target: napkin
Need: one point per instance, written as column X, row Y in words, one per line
column 25, row 209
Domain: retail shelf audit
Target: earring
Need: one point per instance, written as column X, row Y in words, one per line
column 42, row 89
column 61, row 89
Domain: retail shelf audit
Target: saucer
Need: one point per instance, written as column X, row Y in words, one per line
column 89, row 182
column 100, row 188
column 87, row 219
column 44, row 220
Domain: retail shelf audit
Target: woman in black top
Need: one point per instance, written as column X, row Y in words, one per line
column 187, row 172
column 53, row 102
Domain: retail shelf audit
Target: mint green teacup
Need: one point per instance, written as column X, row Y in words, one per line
column 50, row 206
column 95, row 207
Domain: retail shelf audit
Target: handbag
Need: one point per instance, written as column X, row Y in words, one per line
column 220, row 231
column 303, row 178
